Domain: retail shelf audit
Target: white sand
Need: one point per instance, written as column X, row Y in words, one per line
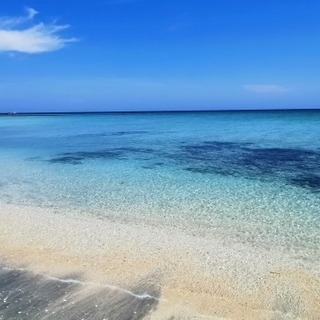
column 212, row 276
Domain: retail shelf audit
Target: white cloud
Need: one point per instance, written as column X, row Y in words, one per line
column 266, row 88
column 11, row 22
column 20, row 34
column 31, row 13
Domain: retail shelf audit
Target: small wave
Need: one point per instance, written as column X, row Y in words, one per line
column 107, row 286
column 28, row 295
column 83, row 283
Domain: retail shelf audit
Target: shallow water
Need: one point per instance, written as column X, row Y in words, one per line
column 24, row 295
column 252, row 175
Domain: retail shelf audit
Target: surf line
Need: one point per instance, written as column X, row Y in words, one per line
column 138, row 296
column 144, row 296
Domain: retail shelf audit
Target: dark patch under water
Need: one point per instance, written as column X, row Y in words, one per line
column 114, row 133
column 154, row 165
column 124, row 133
column 296, row 166
column 307, row 181
column 78, row 157
column 24, row 295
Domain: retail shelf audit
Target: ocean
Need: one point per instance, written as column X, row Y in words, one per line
column 252, row 177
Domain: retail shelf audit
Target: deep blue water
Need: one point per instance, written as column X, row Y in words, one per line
column 254, row 174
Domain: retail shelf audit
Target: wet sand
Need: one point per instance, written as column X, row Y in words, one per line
column 25, row 295
column 136, row 271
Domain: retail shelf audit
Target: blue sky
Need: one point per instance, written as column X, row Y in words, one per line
column 159, row 55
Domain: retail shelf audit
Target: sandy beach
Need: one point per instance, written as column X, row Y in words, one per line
column 186, row 276
column 159, row 160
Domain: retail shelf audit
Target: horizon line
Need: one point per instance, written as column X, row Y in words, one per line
column 14, row 113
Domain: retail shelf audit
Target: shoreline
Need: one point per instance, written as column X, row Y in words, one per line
column 195, row 276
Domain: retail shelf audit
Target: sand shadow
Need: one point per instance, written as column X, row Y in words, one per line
column 24, row 295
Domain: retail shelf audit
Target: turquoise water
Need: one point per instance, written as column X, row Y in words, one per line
column 250, row 175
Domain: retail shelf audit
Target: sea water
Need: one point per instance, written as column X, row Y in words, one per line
column 253, row 175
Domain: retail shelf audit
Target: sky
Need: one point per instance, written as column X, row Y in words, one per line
column 132, row 55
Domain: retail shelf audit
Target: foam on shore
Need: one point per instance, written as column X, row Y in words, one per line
column 191, row 276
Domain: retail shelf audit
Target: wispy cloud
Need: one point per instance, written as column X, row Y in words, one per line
column 266, row 88
column 21, row 34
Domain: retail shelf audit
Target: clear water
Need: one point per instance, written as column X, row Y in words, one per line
column 250, row 175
